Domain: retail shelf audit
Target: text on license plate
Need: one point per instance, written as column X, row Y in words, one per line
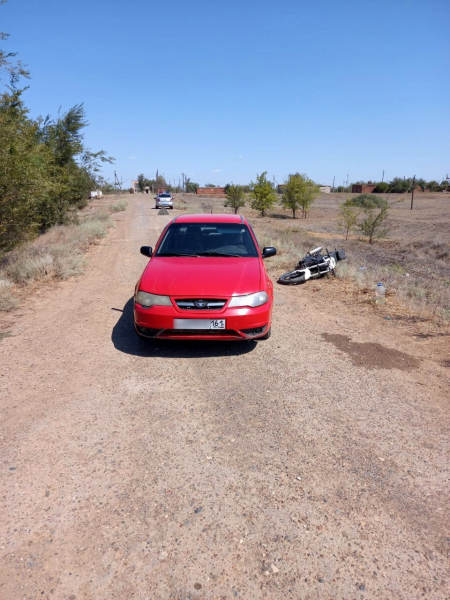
column 199, row 323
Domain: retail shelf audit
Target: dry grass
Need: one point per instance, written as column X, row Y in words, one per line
column 118, row 206
column 8, row 299
column 58, row 254
column 413, row 263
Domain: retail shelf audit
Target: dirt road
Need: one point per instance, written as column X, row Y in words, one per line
column 311, row 465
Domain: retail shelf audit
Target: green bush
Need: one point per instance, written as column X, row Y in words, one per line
column 382, row 187
column 369, row 201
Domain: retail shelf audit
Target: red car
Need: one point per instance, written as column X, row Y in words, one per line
column 205, row 280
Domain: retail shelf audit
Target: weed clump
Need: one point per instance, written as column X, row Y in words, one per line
column 8, row 300
column 118, row 206
column 369, row 201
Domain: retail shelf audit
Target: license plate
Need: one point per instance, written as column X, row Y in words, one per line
column 217, row 323
column 199, row 324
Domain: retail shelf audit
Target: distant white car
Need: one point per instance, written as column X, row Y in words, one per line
column 164, row 200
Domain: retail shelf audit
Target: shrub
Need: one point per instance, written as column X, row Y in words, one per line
column 118, row 206
column 235, row 197
column 382, row 187
column 369, row 201
column 8, row 300
column 372, row 226
column 348, row 216
column 23, row 268
column 66, row 262
column 262, row 194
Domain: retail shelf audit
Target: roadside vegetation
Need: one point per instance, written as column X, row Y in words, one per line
column 300, row 193
column 118, row 206
column 56, row 255
column 400, row 185
column 46, row 170
column 235, row 197
column 411, row 259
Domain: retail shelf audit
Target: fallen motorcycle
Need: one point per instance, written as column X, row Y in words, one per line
column 312, row 266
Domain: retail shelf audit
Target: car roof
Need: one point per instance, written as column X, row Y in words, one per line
column 208, row 218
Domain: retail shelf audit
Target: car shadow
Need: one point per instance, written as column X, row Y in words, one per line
column 126, row 340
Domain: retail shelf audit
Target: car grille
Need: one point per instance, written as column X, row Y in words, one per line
column 200, row 303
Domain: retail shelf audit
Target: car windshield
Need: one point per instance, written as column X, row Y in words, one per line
column 207, row 239
column 165, row 196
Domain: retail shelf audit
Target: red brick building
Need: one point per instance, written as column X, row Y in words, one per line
column 209, row 191
column 358, row 188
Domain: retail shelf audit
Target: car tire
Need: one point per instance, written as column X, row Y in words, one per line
column 267, row 335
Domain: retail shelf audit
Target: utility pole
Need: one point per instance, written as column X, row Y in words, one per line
column 412, row 191
column 117, row 184
column 334, row 177
column 382, row 179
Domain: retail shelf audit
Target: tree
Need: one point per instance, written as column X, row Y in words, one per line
column 382, row 187
column 191, row 186
column 141, row 181
column 45, row 169
column 433, row 186
column 421, row 183
column 373, row 226
column 14, row 69
column 235, row 197
column 74, row 168
column 25, row 185
column 399, row 185
column 209, row 185
column 348, row 216
column 300, row 192
column 263, row 196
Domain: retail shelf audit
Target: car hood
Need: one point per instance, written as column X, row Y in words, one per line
column 201, row 276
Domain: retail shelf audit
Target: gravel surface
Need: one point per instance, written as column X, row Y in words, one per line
column 313, row 465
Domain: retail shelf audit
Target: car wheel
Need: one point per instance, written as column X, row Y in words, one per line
column 267, row 335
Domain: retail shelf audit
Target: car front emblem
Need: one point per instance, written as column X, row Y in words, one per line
column 200, row 304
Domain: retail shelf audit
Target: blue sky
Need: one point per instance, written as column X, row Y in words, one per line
column 224, row 90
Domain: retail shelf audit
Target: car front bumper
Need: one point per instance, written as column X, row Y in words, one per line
column 242, row 323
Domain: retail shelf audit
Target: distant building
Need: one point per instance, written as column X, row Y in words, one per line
column 210, row 191
column 363, row 188
column 135, row 186
column 325, row 189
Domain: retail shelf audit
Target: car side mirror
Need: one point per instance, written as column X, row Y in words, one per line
column 268, row 251
column 147, row 251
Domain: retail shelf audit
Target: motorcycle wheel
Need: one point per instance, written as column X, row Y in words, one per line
column 292, row 278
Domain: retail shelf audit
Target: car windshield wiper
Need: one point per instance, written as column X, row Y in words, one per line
column 213, row 253
column 176, row 254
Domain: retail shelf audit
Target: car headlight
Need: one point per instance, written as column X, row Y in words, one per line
column 252, row 300
column 147, row 300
